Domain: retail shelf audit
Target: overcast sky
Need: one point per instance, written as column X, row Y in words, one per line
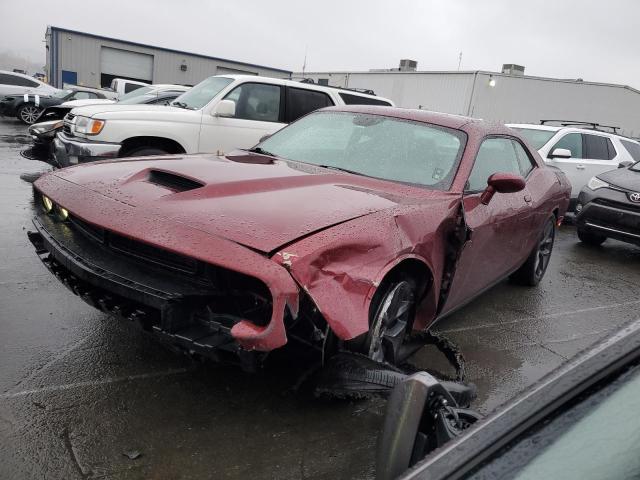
column 591, row 39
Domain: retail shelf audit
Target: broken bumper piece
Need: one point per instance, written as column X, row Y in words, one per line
column 179, row 308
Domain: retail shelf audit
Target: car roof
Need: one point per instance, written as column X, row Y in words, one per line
column 484, row 440
column 449, row 120
column 169, row 86
column 23, row 76
column 299, row 84
column 555, row 128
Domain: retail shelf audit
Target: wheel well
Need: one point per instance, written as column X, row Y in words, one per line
column 133, row 143
column 555, row 213
column 411, row 267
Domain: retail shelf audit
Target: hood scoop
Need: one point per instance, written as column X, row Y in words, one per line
column 174, row 182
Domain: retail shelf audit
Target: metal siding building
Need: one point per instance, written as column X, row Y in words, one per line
column 92, row 60
column 513, row 99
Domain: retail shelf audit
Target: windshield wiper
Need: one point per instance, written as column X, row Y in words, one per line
column 332, row 167
column 261, row 151
column 179, row 104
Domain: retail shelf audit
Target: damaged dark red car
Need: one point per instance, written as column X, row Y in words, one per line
column 350, row 228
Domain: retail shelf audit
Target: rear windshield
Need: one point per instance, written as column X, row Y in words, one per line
column 536, row 138
column 126, row 99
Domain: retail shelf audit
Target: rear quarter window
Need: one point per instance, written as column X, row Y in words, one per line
column 633, row 148
column 350, row 99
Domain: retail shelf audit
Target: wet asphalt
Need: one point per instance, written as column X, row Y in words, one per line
column 83, row 395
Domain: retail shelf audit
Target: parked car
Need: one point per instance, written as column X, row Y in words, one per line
column 44, row 132
column 362, row 223
column 580, row 149
column 12, row 83
column 217, row 115
column 28, row 108
column 153, row 94
column 579, row 422
column 609, row 207
column 122, row 86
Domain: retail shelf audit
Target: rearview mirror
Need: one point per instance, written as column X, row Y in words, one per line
column 625, row 164
column 224, row 108
column 560, row 153
column 502, row 183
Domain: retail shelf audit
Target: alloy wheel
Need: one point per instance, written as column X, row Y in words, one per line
column 391, row 322
column 543, row 255
column 29, row 114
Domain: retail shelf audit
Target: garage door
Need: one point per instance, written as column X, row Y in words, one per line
column 124, row 63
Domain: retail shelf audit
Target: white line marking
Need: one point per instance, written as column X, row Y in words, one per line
column 548, row 315
column 93, row 383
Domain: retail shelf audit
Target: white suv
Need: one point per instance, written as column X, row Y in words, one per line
column 580, row 149
column 217, row 115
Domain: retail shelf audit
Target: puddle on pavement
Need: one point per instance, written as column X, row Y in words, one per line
column 19, row 139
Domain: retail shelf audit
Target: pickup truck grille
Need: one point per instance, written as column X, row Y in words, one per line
column 67, row 127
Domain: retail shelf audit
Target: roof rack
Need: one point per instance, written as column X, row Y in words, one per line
column 366, row 91
column 578, row 123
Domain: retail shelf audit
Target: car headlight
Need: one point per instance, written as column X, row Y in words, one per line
column 595, row 183
column 89, row 126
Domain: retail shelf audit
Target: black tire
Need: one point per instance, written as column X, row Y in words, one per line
column 391, row 319
column 532, row 271
column 28, row 113
column 146, row 151
column 589, row 238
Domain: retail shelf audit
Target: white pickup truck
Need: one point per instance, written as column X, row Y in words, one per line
column 217, row 115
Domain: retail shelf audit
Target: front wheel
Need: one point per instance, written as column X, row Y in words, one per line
column 591, row 238
column 393, row 312
column 532, row 271
column 28, row 113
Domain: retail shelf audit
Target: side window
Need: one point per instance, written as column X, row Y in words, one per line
column 350, row 99
column 573, row 143
column 524, row 161
column 82, row 96
column 7, row 79
column 495, row 155
column 130, row 87
column 598, row 148
column 301, row 101
column 25, row 82
column 257, row 101
column 633, row 148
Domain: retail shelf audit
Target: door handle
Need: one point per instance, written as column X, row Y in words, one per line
column 527, row 198
column 580, row 167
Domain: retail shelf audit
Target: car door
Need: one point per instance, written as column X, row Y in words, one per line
column 499, row 231
column 259, row 111
column 601, row 156
column 574, row 167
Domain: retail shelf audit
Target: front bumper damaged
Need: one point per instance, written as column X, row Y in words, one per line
column 179, row 307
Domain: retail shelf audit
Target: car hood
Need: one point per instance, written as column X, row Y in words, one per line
column 252, row 200
column 114, row 107
column 622, row 177
column 88, row 101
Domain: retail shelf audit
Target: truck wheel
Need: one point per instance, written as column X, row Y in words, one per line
column 532, row 271
column 145, row 152
column 591, row 238
column 29, row 113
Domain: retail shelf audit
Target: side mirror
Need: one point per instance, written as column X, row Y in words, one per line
column 501, row 183
column 625, row 164
column 560, row 153
column 224, row 108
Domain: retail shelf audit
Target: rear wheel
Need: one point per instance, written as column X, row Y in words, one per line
column 146, row 151
column 28, row 113
column 591, row 238
column 532, row 271
column 393, row 311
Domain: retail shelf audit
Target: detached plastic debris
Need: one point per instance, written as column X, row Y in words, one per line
column 132, row 454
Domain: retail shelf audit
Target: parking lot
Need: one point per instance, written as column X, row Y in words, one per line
column 85, row 396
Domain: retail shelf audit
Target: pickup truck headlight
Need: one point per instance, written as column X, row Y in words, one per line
column 89, row 126
column 595, row 183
